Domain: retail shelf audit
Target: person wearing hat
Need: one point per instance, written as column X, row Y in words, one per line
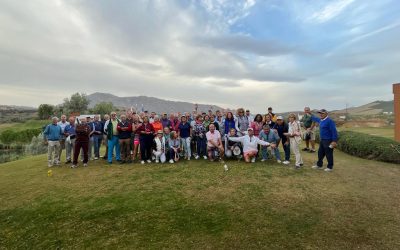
column 249, row 116
column 328, row 139
column 250, row 145
column 241, row 122
column 159, row 147
column 281, row 127
column 309, row 126
column 233, row 149
column 294, row 135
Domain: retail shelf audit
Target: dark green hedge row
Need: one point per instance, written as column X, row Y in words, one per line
column 24, row 136
column 369, row 147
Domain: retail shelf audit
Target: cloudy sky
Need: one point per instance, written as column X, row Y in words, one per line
column 255, row 54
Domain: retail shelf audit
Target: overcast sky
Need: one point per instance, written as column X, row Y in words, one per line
column 255, row 54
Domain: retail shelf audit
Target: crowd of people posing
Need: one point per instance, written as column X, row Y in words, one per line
column 148, row 137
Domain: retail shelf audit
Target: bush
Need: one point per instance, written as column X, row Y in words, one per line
column 24, row 136
column 36, row 146
column 368, row 146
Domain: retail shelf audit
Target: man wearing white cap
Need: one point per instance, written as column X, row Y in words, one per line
column 250, row 145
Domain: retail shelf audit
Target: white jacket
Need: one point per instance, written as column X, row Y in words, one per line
column 249, row 144
column 160, row 144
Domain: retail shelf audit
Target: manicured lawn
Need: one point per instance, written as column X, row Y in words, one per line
column 197, row 205
column 387, row 132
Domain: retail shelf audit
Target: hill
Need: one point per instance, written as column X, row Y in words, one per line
column 149, row 103
column 373, row 108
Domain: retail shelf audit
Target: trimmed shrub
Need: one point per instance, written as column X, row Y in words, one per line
column 369, row 147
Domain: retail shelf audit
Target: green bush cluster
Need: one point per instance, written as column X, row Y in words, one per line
column 368, row 146
column 23, row 136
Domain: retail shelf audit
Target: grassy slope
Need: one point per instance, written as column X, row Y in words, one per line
column 198, row 205
column 26, row 125
column 387, row 132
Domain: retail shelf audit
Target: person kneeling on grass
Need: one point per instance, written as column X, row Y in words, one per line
column 233, row 149
column 250, row 145
column 272, row 137
column 159, row 147
column 214, row 143
column 174, row 147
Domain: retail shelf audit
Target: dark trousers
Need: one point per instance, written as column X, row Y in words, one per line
column 146, row 142
column 201, row 146
column 85, row 148
column 325, row 150
column 286, row 149
column 172, row 154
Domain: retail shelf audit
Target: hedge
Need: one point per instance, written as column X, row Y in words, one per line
column 369, row 146
column 24, row 136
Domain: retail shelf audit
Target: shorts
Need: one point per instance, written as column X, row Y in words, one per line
column 136, row 142
column 309, row 135
column 246, row 154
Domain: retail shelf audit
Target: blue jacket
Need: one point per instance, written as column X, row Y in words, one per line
column 272, row 136
column 327, row 128
column 228, row 125
column 53, row 132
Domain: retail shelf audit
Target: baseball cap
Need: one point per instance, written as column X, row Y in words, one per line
column 250, row 129
column 279, row 117
column 159, row 132
column 322, row 111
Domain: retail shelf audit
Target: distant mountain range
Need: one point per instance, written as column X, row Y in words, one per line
column 149, row 103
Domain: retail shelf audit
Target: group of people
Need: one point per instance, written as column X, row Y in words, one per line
column 149, row 137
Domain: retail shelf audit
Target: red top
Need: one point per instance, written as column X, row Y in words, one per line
column 148, row 128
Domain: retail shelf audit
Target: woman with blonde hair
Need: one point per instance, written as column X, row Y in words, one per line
column 294, row 135
column 242, row 123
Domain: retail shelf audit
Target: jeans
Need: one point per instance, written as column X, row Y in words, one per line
column 286, row 149
column 186, row 146
column 325, row 150
column 97, row 143
column 201, row 146
column 114, row 142
column 275, row 151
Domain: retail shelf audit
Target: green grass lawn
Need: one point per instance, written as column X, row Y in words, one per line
column 387, row 132
column 197, row 205
column 26, row 125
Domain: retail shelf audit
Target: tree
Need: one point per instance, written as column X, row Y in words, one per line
column 45, row 111
column 78, row 103
column 103, row 108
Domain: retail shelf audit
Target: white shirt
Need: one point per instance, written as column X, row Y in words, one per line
column 63, row 125
column 249, row 143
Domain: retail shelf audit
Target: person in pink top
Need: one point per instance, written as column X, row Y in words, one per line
column 214, row 142
column 257, row 125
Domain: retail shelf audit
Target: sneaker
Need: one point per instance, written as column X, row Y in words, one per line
column 312, row 151
column 205, row 157
column 286, row 162
column 85, row 165
column 188, row 158
column 328, row 170
column 196, row 157
column 157, row 161
column 171, row 161
column 297, row 166
column 96, row 158
column 316, row 167
column 262, row 160
column 279, row 161
column 305, row 149
column 148, row 161
column 253, row 160
column 49, row 165
column 142, row 162
column 73, row 166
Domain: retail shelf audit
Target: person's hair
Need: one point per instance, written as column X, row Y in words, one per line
column 232, row 129
column 156, row 117
column 239, row 110
column 258, row 116
column 207, row 116
column 198, row 117
column 229, row 112
column 172, row 134
column 266, row 126
column 211, row 124
column 268, row 116
column 146, row 117
column 292, row 115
